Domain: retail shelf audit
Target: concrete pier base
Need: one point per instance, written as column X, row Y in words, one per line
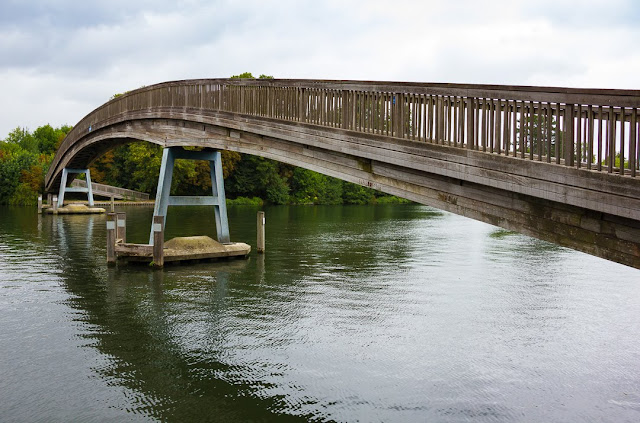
column 190, row 248
column 75, row 209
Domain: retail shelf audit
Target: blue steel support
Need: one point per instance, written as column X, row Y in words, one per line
column 164, row 199
column 64, row 188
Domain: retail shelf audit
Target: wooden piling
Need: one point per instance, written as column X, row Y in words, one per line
column 158, row 241
column 111, row 239
column 261, row 222
column 54, row 204
column 40, row 204
column 121, row 226
column 113, row 205
column 49, row 199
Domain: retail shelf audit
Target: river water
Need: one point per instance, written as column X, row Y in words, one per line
column 385, row 313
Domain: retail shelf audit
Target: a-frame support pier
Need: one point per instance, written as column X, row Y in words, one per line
column 64, row 188
column 164, row 199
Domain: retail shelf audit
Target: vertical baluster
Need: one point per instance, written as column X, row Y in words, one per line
column 557, row 134
column 623, row 119
column 600, row 131
column 523, row 125
column 484, row 124
column 470, row 122
column 429, row 119
column 569, row 125
column 465, row 121
column 590, row 135
column 548, row 130
column 492, row 126
column 579, row 137
column 507, row 127
column 476, row 123
column 611, row 139
column 498, row 127
column 539, row 141
column 633, row 142
column 448, row 119
column 514, row 126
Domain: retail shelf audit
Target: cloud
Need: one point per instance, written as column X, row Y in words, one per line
column 59, row 60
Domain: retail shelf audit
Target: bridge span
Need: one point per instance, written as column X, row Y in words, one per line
column 559, row 164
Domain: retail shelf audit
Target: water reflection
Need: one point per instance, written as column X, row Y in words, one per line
column 372, row 314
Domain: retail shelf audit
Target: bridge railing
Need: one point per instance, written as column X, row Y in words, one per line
column 584, row 128
column 111, row 191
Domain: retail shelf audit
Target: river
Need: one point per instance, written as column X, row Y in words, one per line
column 371, row 314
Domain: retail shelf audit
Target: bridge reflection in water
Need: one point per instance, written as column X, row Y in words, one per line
column 558, row 164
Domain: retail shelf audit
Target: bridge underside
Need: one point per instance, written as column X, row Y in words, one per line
column 567, row 206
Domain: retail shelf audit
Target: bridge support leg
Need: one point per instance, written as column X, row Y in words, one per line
column 64, row 188
column 164, row 199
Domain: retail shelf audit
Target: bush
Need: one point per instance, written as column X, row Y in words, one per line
column 245, row 201
column 24, row 196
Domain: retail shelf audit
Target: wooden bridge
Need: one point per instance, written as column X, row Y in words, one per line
column 111, row 191
column 559, row 164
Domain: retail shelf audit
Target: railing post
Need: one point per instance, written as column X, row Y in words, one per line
column 113, row 204
column 111, row 239
column 121, row 227
column 261, row 238
column 158, row 241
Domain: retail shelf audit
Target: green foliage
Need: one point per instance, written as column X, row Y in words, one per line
column 243, row 75
column 24, row 195
column 356, row 194
column 24, row 161
column 529, row 129
column 250, row 75
column 314, row 188
column 391, row 199
column 249, row 180
column 245, row 201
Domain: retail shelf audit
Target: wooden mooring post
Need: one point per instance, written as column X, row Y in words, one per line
column 158, row 241
column 121, row 226
column 54, row 204
column 40, row 204
column 261, row 222
column 111, row 239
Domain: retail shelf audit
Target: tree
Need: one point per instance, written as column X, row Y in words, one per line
column 531, row 126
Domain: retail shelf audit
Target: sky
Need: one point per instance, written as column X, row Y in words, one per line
column 60, row 59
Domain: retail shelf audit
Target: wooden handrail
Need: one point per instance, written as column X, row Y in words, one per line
column 592, row 128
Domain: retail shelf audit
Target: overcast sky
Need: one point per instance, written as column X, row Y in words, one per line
column 60, row 59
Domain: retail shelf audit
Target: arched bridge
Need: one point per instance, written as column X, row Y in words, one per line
column 558, row 164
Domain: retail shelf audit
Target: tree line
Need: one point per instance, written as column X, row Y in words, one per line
column 25, row 158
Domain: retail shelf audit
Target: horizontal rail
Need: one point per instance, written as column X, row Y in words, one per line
column 596, row 129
